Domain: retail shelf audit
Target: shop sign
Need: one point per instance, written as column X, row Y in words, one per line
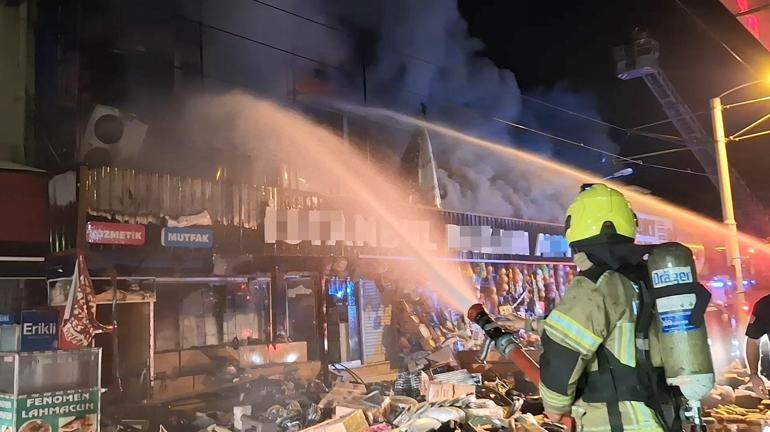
column 330, row 226
column 39, row 330
column 72, row 410
column 653, row 230
column 552, row 246
column 484, row 239
column 115, row 233
column 7, row 318
column 202, row 238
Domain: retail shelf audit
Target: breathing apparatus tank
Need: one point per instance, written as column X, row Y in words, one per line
column 680, row 306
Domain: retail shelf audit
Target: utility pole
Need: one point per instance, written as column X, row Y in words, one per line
column 725, row 190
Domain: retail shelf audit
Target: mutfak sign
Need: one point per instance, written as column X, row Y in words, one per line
column 39, row 330
column 187, row 238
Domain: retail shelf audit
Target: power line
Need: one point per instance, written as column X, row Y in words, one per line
column 296, row 15
column 714, row 36
column 265, row 44
column 630, row 131
column 644, row 126
column 344, row 32
column 583, row 116
column 598, row 150
column 412, row 56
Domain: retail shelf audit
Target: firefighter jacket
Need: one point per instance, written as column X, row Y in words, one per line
column 593, row 327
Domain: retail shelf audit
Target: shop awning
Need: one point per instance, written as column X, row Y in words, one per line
column 22, row 267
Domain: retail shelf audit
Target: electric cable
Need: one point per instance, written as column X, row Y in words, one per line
column 598, row 150
column 714, row 36
column 353, row 375
column 579, row 144
column 630, row 131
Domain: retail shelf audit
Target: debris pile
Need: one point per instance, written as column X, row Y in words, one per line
column 733, row 406
column 436, row 391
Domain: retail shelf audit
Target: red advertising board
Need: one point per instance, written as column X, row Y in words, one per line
column 25, row 197
column 115, row 233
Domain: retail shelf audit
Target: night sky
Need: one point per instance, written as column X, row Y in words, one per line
column 570, row 43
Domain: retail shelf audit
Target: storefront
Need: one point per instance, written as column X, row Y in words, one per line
column 23, row 237
column 174, row 271
column 195, row 273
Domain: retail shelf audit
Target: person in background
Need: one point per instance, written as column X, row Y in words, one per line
column 759, row 326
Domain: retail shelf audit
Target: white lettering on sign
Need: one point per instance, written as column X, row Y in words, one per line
column 188, row 237
column 330, row 226
column 671, row 276
column 484, row 239
column 39, row 329
column 117, row 235
column 57, row 399
column 61, row 410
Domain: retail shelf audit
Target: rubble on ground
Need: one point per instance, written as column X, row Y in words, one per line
column 435, row 392
column 733, row 405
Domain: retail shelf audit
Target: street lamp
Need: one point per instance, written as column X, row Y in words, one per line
column 725, row 188
column 622, row 173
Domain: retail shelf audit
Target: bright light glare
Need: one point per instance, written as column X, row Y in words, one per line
column 291, row 358
column 256, row 359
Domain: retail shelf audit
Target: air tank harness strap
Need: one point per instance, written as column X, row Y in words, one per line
column 613, row 403
column 648, row 375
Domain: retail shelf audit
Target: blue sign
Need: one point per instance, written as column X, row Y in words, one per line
column 187, row 238
column 676, row 321
column 7, row 318
column 39, row 330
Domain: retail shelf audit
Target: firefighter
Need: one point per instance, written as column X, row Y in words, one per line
column 591, row 368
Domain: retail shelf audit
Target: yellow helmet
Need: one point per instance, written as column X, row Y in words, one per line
column 596, row 209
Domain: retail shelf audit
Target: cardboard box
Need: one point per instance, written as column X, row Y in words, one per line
column 166, row 363
column 172, row 387
column 291, row 352
column 253, row 355
column 200, row 382
column 194, row 361
column 353, row 422
column 342, row 391
column 442, row 392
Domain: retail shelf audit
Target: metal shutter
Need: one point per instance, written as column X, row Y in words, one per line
column 374, row 317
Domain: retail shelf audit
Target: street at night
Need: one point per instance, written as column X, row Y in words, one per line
column 384, row 215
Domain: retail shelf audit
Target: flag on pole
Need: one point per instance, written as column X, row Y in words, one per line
column 79, row 323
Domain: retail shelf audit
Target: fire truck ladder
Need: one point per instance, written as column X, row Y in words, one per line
column 640, row 60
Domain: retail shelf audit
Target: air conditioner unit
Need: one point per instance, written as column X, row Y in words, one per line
column 111, row 137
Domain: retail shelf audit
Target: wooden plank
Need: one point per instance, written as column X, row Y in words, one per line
column 306, row 371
